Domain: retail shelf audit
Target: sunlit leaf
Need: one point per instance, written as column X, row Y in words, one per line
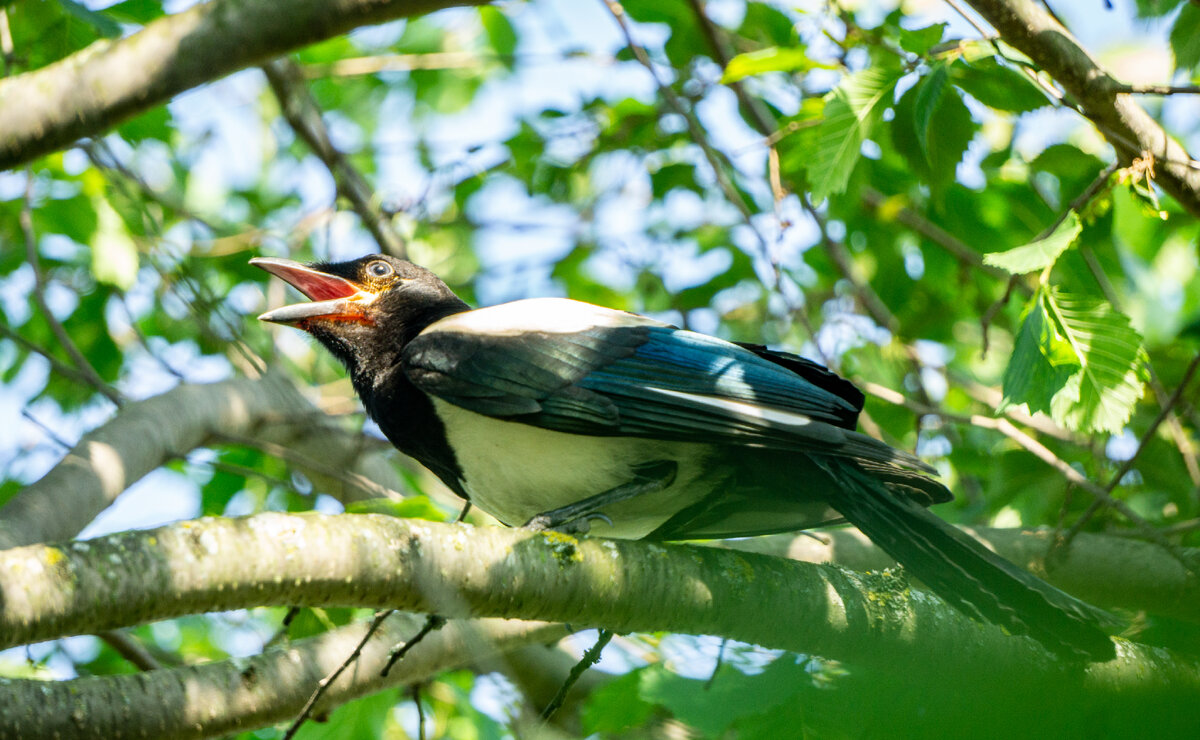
column 851, row 112
column 921, row 40
column 1079, row 359
column 1038, row 254
column 772, row 59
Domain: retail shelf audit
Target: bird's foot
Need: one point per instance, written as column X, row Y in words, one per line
column 576, row 518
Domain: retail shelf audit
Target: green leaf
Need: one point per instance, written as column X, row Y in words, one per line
column 731, row 697
column 1101, row 396
column 950, row 131
column 1078, row 359
column 920, row 40
column 500, row 33
column 997, row 86
column 1038, row 367
column 851, row 112
column 1185, row 37
column 1038, row 254
column 135, row 11
column 772, row 59
column 104, row 25
column 929, row 94
column 616, row 706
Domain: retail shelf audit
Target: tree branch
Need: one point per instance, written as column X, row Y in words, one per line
column 114, row 79
column 147, row 434
column 873, row 622
column 1128, row 127
column 222, row 697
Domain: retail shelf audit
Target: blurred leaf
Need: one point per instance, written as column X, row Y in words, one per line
column 114, row 256
column 767, row 25
column 153, row 124
column 929, row 95
column 731, row 696
column 771, row 59
column 500, row 33
column 1038, row 254
column 997, row 86
column 949, row 131
column 363, row 719
column 1185, row 37
column 617, row 706
column 104, row 25
column 135, row 11
column 851, row 112
column 410, row 507
column 921, row 40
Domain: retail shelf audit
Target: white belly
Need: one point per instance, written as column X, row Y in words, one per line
column 515, row 471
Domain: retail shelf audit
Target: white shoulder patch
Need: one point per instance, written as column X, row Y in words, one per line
column 553, row 315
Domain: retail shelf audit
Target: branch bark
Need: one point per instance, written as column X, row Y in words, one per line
column 222, row 697
column 1027, row 26
column 147, row 434
column 114, row 79
column 874, row 623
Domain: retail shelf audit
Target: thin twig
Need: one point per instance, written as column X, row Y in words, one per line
column 1126, row 466
column 694, row 129
column 590, row 658
column 130, row 649
column 1040, row 451
column 39, row 296
column 416, row 697
column 326, row 682
column 304, row 116
column 432, row 623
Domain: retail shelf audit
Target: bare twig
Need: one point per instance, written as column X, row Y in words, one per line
column 1126, row 466
column 130, row 649
column 432, row 623
column 324, row 684
column 39, row 296
column 589, row 659
column 304, row 116
column 694, row 129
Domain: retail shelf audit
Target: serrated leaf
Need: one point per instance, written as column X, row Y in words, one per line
column 1185, row 37
column 1038, row 254
column 1078, row 359
column 851, row 112
column 772, row 59
column 1036, row 370
column 1100, row 397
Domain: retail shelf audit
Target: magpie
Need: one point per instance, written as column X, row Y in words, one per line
column 553, row 413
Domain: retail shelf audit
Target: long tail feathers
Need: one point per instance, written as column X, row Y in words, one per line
column 963, row 572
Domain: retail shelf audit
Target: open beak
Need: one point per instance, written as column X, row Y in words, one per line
column 332, row 297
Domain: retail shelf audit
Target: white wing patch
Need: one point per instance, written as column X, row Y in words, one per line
column 553, row 315
column 773, row 416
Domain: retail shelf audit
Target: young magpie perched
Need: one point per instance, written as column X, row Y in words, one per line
column 552, row 412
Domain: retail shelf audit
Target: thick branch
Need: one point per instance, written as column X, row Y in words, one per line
column 873, row 623
column 222, row 697
column 147, row 434
column 463, row 571
column 1128, row 127
column 114, row 79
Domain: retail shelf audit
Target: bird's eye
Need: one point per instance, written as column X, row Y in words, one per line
column 379, row 269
